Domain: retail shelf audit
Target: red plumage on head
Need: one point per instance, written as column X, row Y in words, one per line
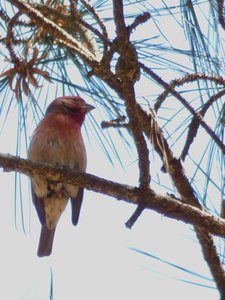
column 74, row 106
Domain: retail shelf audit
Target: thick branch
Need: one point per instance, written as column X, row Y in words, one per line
column 121, row 30
column 143, row 156
column 165, row 205
column 127, row 72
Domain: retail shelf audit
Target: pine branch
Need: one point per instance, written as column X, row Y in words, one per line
column 172, row 91
column 59, row 34
column 166, row 205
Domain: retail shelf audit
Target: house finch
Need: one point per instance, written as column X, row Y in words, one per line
column 57, row 140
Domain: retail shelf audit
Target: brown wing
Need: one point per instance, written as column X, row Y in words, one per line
column 76, row 206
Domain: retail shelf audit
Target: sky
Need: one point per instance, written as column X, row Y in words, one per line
column 95, row 260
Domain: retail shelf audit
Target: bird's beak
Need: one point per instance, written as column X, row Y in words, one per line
column 87, row 107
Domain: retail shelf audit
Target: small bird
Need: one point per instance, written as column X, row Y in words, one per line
column 57, row 140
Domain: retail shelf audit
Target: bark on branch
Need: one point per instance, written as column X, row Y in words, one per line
column 165, row 205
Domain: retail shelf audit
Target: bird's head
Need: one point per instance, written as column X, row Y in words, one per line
column 74, row 106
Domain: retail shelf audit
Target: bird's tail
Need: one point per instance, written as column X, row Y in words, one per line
column 46, row 241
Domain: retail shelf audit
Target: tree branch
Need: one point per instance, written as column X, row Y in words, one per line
column 175, row 169
column 121, row 30
column 194, row 124
column 165, row 205
column 59, row 34
column 140, row 19
column 220, row 8
column 186, row 104
column 126, row 70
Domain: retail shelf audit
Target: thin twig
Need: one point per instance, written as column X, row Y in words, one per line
column 117, row 123
column 9, row 38
column 186, row 79
column 104, row 35
column 138, row 21
column 159, row 80
column 138, row 211
column 194, row 125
